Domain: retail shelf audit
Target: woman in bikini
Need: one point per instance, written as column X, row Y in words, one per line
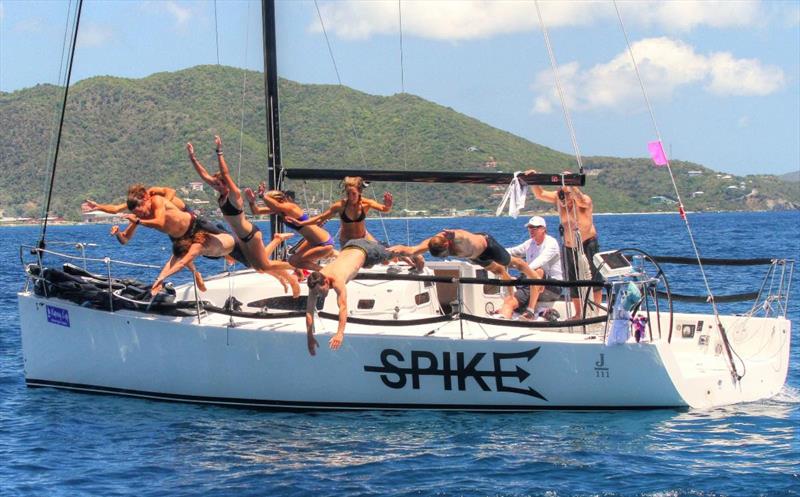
column 317, row 243
column 201, row 243
column 248, row 236
column 352, row 211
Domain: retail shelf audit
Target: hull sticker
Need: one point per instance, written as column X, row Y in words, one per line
column 600, row 368
column 57, row 315
column 504, row 374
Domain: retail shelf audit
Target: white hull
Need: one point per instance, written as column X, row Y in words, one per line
column 265, row 363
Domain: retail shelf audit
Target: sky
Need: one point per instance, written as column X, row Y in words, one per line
column 722, row 77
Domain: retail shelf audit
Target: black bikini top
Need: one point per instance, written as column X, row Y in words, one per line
column 345, row 219
column 228, row 209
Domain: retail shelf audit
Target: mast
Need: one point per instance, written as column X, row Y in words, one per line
column 274, row 165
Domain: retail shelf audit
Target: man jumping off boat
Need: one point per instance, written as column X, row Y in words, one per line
column 575, row 210
column 152, row 208
column 479, row 248
column 164, row 191
column 354, row 255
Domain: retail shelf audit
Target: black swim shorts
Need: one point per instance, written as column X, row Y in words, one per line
column 494, row 253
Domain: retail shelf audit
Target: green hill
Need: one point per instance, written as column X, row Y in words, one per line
column 121, row 131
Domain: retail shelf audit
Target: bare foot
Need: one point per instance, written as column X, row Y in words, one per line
column 282, row 236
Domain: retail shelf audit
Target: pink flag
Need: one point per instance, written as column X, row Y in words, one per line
column 657, row 153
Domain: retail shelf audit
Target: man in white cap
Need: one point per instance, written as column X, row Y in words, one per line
column 542, row 254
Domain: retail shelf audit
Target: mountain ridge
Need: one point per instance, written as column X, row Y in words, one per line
column 119, row 131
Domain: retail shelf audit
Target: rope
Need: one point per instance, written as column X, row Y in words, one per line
column 682, row 211
column 61, row 123
column 564, row 107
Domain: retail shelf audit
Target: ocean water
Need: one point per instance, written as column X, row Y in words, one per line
column 64, row 443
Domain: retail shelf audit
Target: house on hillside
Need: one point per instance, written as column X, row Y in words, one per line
column 660, row 199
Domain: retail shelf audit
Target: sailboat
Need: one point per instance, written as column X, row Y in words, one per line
column 414, row 341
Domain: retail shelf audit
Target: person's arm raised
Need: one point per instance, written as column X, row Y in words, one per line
column 223, row 167
column 201, row 171
column 540, row 193
column 386, row 206
column 582, row 200
column 91, row 205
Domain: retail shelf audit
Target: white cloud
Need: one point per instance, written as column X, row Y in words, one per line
column 731, row 76
column 687, row 15
column 94, row 35
column 743, row 121
column 182, row 14
column 32, row 25
column 665, row 65
column 476, row 19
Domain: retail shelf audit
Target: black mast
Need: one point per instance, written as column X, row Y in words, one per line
column 274, row 166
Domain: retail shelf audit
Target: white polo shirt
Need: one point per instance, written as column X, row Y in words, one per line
column 546, row 256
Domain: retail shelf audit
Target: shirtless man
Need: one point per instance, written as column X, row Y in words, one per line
column 575, row 212
column 479, row 248
column 154, row 210
column 164, row 191
column 355, row 254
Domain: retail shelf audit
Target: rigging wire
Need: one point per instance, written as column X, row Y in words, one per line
column 244, row 90
column 61, row 122
column 54, row 127
column 682, row 211
column 405, row 123
column 572, row 214
column 359, row 146
column 216, row 30
column 564, row 107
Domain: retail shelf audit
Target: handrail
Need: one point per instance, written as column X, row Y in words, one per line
column 715, row 261
column 104, row 260
column 481, row 281
column 770, row 299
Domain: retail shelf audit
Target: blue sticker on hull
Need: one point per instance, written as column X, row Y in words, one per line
column 57, row 315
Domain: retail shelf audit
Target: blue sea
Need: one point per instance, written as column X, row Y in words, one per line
column 58, row 443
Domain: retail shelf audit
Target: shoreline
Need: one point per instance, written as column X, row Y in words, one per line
column 375, row 218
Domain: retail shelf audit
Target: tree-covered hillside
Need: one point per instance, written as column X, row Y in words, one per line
column 121, row 131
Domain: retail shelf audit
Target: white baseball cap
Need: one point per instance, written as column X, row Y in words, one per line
column 536, row 221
